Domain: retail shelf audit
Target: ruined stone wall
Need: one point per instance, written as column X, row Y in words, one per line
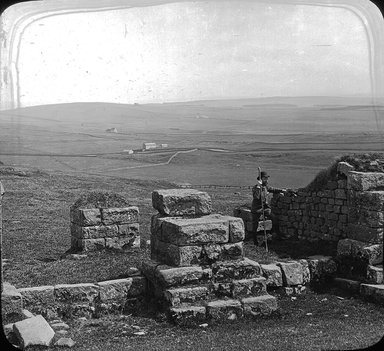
column 314, row 215
column 349, row 207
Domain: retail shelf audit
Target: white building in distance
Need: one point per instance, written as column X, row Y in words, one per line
column 148, row 146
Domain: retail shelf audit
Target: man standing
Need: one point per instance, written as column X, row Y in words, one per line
column 260, row 192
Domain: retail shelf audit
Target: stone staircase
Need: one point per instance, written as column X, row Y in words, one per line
column 198, row 271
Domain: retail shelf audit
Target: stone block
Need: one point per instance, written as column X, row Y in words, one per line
column 188, row 315
column 93, row 232
column 76, row 300
column 192, row 231
column 344, row 168
column 177, row 296
column 365, row 234
column 259, row 305
column 226, row 271
column 236, row 230
column 273, row 274
column 373, row 292
column 182, row 202
column 373, row 254
column 375, row 274
column 175, row 255
column 132, row 229
column 156, row 226
column 34, row 331
column 363, row 181
column 321, row 267
column 171, row 276
column 224, row 310
column 370, row 200
column 11, row 303
column 247, row 287
column 123, row 241
column 113, row 295
column 292, row 273
column 124, row 215
column 40, row 300
column 85, row 217
column 305, row 271
column 91, row 244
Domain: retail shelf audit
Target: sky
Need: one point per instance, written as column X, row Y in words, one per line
column 194, row 51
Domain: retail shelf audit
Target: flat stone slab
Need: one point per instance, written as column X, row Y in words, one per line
column 181, row 202
column 259, row 305
column 226, row 271
column 208, row 229
column 224, row 310
column 178, row 296
column 173, row 276
column 122, row 215
column 34, row 331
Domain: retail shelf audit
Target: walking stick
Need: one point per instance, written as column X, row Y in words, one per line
column 262, row 211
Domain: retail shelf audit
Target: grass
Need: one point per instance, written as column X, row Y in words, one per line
column 309, row 322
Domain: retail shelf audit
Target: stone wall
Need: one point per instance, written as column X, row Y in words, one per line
column 104, row 227
column 350, row 206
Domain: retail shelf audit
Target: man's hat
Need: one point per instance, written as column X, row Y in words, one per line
column 263, row 174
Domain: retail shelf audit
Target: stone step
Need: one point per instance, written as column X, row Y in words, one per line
column 235, row 289
column 373, row 292
column 223, row 309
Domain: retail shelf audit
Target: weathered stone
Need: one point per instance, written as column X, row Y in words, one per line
column 373, row 254
column 224, row 310
column 85, row 216
column 175, row 255
column 321, row 267
column 373, row 292
column 365, row 234
column 292, row 273
column 363, row 181
column 114, row 290
column 34, row 331
column 94, row 232
column 11, row 303
column 171, row 276
column 246, row 287
column 125, row 215
column 178, row 296
column 180, row 202
column 123, row 241
column 40, row 300
column 76, row 299
column 192, row 231
column 188, row 315
column 306, row 271
column 236, row 230
column 375, row 274
column 91, row 244
column 156, row 226
column 59, row 325
column 221, row 252
column 370, row 200
column 259, row 305
column 344, row 168
column 66, row 342
column 236, row 269
column 272, row 273
column 132, row 229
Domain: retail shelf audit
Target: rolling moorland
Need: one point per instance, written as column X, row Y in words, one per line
column 209, row 142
